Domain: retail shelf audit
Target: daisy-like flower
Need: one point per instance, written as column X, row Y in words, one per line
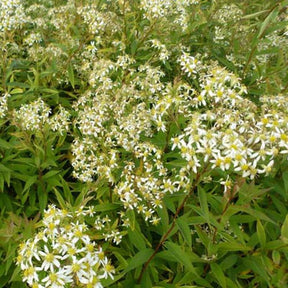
column 227, row 184
column 51, row 261
column 94, row 283
column 188, row 64
column 266, row 168
column 108, row 269
column 57, row 279
column 30, row 275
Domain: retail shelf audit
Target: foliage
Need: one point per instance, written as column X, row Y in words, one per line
column 143, row 143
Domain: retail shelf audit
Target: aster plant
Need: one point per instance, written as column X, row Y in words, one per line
column 143, row 143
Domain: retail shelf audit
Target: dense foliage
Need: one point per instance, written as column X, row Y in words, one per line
column 143, row 143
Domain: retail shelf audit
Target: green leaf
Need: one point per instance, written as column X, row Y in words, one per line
column 229, row 261
column 169, row 203
column 284, row 231
column 261, row 234
column 163, row 214
column 255, row 264
column 146, row 280
column 4, row 144
column 176, row 163
column 139, row 259
column 218, row 274
column 18, row 284
column 50, row 174
column 71, row 75
column 255, row 213
column 285, row 180
column 253, row 15
column 203, row 237
column 270, row 18
column 180, row 255
column 276, row 257
column 5, row 203
column 203, row 202
column 276, row 244
column 134, row 46
column 185, row 230
column 7, row 177
column 136, row 239
column 1, row 183
column 4, row 168
column 43, row 198
column 106, row 207
column 67, row 192
column 190, row 277
column 31, row 180
column 60, row 199
column 233, row 246
column 16, row 274
column 16, row 91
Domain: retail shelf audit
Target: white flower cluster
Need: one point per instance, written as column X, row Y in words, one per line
column 231, row 133
column 160, row 9
column 112, row 123
column 110, row 232
column 110, row 117
column 154, row 9
column 33, row 38
column 227, row 14
column 278, row 103
column 100, row 74
column 12, row 15
column 99, row 21
column 142, row 188
column 50, row 20
column 60, row 121
column 4, row 105
column 34, row 117
column 188, row 64
column 222, row 130
column 183, row 14
column 273, row 40
column 163, row 52
column 149, row 80
column 62, row 254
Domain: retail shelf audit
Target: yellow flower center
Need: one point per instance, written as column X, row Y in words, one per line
column 49, row 257
column 29, row 271
column 76, row 267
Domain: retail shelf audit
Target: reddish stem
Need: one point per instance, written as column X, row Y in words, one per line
column 165, row 236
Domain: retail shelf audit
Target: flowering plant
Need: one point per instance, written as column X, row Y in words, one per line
column 157, row 142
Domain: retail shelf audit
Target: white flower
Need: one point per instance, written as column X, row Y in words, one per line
column 57, row 279
column 108, row 270
column 51, row 261
column 30, row 275
column 267, row 168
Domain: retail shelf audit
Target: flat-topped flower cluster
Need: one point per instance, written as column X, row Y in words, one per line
column 12, row 15
column 62, row 254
